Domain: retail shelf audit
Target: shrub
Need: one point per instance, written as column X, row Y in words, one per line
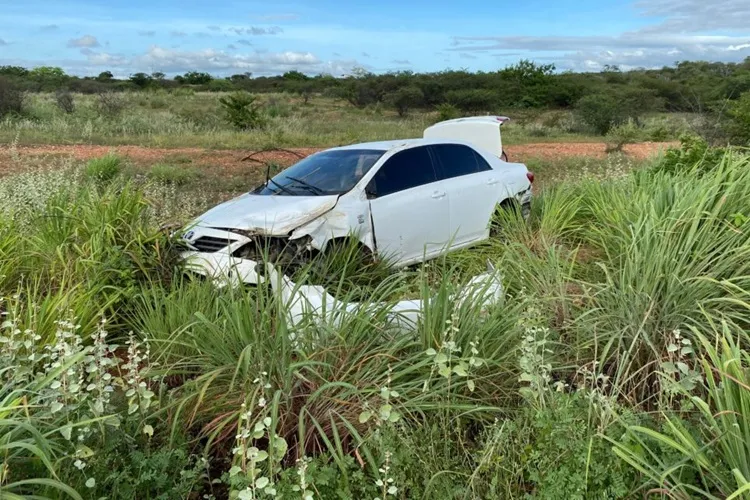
column 110, row 104
column 171, row 174
column 104, row 168
column 619, row 136
column 693, row 152
column 555, row 451
column 472, row 99
column 601, row 112
column 405, row 98
column 11, row 98
column 447, row 111
column 738, row 127
column 64, row 100
column 242, row 111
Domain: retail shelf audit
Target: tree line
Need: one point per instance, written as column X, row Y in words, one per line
column 607, row 97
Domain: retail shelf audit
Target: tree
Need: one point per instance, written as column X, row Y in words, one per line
column 472, row 99
column 295, row 76
column 11, row 98
column 405, row 98
column 739, row 120
column 141, row 80
column 48, row 77
column 196, row 78
column 241, row 77
column 242, row 111
column 105, row 76
column 158, row 75
column 601, row 112
column 15, row 71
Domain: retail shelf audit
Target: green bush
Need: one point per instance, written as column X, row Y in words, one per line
column 738, row 127
column 620, row 135
column 171, row 174
column 473, row 100
column 447, row 112
column 554, row 452
column 405, row 99
column 64, row 100
column 242, row 111
column 693, row 153
column 601, row 112
column 104, row 168
column 11, row 98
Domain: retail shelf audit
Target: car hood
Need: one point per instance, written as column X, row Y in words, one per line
column 273, row 215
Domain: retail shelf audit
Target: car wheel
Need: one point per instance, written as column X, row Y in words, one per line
column 508, row 206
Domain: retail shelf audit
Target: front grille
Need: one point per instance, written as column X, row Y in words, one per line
column 210, row 244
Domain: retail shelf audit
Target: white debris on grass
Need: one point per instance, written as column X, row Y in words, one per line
column 305, row 302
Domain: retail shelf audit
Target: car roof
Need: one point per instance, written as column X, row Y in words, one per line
column 388, row 145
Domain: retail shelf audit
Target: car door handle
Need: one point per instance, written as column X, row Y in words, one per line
column 492, row 182
column 438, row 194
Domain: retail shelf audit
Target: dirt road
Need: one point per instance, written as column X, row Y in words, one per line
column 229, row 161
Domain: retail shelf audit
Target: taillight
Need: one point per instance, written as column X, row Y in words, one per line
column 530, row 177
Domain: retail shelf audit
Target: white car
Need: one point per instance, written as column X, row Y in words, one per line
column 406, row 201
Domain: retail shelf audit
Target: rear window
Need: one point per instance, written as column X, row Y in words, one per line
column 457, row 160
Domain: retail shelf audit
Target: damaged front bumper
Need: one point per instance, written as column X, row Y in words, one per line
column 232, row 256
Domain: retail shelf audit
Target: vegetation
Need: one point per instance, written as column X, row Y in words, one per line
column 616, row 364
column 156, row 109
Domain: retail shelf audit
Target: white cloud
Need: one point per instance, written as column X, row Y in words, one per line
column 3, row 42
column 681, row 30
column 85, row 41
column 244, row 42
column 146, row 33
column 257, row 31
column 214, row 28
column 48, row 28
column 177, row 34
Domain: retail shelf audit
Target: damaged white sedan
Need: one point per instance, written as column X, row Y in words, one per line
column 405, row 201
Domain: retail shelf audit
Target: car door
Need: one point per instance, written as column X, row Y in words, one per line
column 472, row 187
column 409, row 207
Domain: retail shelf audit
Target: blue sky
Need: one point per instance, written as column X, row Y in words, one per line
column 270, row 37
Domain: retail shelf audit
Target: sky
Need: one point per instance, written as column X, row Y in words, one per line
column 86, row 37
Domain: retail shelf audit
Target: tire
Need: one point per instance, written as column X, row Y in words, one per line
column 508, row 205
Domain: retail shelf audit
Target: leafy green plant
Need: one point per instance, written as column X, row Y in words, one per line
column 104, row 168
column 694, row 154
column 242, row 111
column 11, row 98
column 621, row 135
column 405, row 99
column 601, row 112
column 447, row 111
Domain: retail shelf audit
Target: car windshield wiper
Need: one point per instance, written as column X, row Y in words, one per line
column 306, row 185
column 283, row 188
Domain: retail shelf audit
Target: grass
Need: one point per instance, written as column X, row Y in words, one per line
column 615, row 364
column 161, row 119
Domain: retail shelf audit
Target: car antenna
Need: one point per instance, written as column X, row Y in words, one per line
column 268, row 173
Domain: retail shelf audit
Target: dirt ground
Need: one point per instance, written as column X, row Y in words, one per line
column 230, row 162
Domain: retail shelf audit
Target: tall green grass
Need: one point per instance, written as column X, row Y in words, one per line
column 600, row 281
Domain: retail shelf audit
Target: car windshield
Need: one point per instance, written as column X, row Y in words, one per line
column 324, row 173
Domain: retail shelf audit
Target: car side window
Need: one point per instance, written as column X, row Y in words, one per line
column 457, row 160
column 404, row 170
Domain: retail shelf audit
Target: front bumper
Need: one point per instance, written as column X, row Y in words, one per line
column 222, row 268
